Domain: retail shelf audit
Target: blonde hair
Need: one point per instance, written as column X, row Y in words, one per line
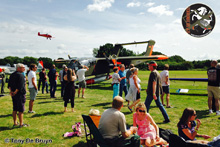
column 134, row 69
column 140, row 105
column 94, row 112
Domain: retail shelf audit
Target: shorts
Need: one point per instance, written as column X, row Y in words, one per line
column 166, row 89
column 82, row 84
column 33, row 93
column 138, row 96
column 213, row 92
column 18, row 102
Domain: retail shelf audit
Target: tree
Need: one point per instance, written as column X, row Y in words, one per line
column 48, row 62
column 109, row 49
column 29, row 60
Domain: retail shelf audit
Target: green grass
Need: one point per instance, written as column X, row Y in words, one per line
column 49, row 121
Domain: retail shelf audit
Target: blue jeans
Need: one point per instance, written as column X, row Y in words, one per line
column 44, row 84
column 122, row 88
column 53, row 87
column 115, row 90
column 158, row 103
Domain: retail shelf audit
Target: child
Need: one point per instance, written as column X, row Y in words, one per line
column 115, row 82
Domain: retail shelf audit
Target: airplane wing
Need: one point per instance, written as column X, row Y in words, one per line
column 190, row 79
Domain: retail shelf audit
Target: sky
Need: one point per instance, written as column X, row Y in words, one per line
column 79, row 26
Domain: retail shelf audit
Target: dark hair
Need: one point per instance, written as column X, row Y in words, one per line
column 69, row 75
column 115, row 69
column 131, row 66
column 80, row 66
column 42, row 69
column 32, row 66
column 187, row 113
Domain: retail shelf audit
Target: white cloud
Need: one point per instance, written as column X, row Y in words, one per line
column 134, row 4
column 161, row 10
column 61, row 46
column 149, row 4
column 100, row 5
column 141, row 13
column 180, row 9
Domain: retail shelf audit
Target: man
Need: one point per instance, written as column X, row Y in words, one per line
column 154, row 90
column 164, row 75
column 52, row 79
column 17, row 90
column 62, row 73
column 213, row 86
column 2, row 76
column 128, row 74
column 123, row 84
column 113, row 122
column 43, row 76
column 32, row 80
column 81, row 78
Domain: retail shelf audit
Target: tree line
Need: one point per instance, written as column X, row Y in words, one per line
column 175, row 62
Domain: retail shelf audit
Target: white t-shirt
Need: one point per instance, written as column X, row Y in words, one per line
column 31, row 75
column 115, row 78
column 81, row 74
column 163, row 76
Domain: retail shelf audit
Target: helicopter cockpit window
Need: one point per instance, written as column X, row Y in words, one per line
column 85, row 62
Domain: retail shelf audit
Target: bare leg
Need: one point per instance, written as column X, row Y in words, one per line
column 73, row 110
column 162, row 98
column 14, row 114
column 210, row 103
column 134, row 103
column 168, row 99
column 79, row 91
column 31, row 104
column 20, row 115
column 65, row 109
column 83, row 91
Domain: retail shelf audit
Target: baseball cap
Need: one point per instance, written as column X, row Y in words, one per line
column 153, row 63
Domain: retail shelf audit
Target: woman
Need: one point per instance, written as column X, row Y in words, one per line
column 147, row 128
column 187, row 127
column 115, row 82
column 134, row 90
column 69, row 93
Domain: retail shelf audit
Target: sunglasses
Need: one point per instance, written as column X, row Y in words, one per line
column 141, row 111
column 194, row 115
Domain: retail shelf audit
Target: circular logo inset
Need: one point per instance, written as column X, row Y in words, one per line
column 198, row 20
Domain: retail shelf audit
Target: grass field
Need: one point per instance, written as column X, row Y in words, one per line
column 49, row 122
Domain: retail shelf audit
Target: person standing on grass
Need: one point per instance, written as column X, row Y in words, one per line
column 82, row 80
column 134, row 90
column 128, row 74
column 112, row 126
column 52, row 79
column 2, row 75
column 213, row 86
column 69, row 92
column 123, row 83
column 32, row 80
column 62, row 73
column 17, row 90
column 154, row 90
column 43, row 76
column 164, row 75
column 115, row 82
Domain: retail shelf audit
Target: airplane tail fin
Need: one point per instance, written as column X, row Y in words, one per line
column 38, row 33
column 150, row 47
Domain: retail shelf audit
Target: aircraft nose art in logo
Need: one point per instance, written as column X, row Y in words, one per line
column 198, row 20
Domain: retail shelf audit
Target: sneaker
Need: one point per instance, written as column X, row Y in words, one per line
column 210, row 112
column 31, row 111
column 217, row 112
column 15, row 125
column 24, row 125
column 83, row 97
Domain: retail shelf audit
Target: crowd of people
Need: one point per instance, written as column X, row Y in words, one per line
column 112, row 122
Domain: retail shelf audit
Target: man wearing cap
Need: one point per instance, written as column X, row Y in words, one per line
column 213, row 86
column 154, row 90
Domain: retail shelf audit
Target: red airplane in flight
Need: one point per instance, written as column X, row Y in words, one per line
column 45, row 35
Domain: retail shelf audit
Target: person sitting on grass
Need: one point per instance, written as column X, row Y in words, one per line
column 95, row 116
column 147, row 128
column 69, row 93
column 187, row 127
